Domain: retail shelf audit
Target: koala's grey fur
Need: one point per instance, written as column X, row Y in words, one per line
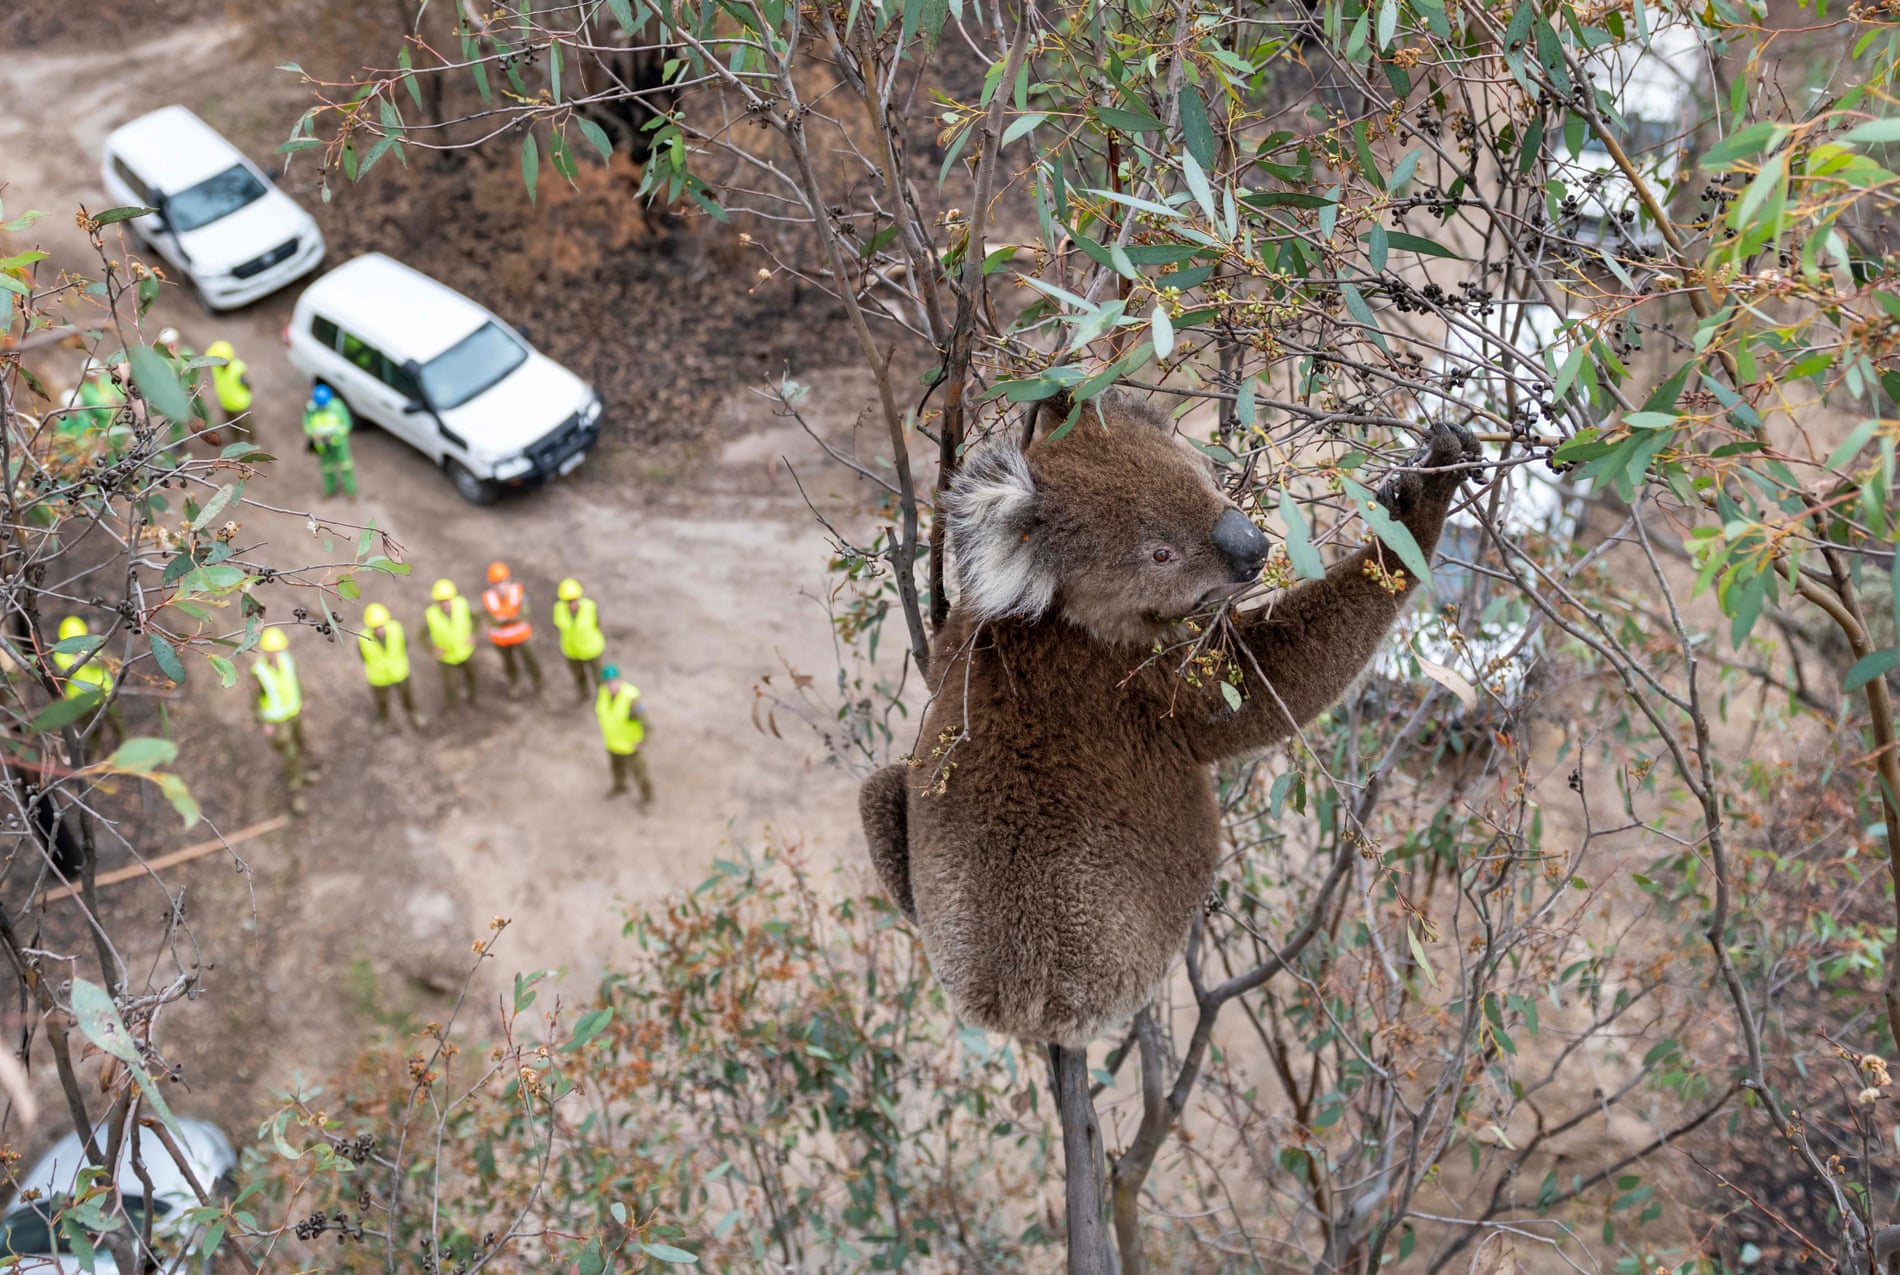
column 1056, row 829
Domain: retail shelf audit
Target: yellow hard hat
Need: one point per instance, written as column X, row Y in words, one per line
column 221, row 350
column 375, row 615
column 442, row 590
column 273, row 640
column 72, row 626
column 569, row 590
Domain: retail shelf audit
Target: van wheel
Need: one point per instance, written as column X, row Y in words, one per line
column 476, row 491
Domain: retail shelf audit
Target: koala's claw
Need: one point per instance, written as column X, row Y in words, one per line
column 1427, row 473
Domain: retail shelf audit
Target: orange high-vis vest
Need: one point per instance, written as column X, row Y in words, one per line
column 506, row 604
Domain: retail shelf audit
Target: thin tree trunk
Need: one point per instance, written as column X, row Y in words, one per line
column 1089, row 1252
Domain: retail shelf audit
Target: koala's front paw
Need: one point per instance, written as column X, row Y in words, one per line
column 1427, row 475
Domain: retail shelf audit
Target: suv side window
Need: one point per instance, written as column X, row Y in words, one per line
column 380, row 365
column 400, row 381
column 324, row 331
column 364, row 355
column 139, row 189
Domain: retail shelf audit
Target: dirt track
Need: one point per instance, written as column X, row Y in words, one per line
column 706, row 572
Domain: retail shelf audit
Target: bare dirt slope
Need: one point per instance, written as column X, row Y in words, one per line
column 706, row 562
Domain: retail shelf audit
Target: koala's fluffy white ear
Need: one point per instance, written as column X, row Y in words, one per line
column 991, row 509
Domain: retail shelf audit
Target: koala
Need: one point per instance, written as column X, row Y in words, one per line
column 1056, row 829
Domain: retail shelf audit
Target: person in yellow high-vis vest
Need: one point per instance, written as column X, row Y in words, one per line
column 385, row 650
column 578, row 621
column 86, row 672
column 452, row 634
column 280, row 708
column 92, row 675
column 623, row 729
column 232, row 386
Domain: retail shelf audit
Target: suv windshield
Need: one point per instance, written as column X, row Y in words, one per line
column 212, row 198
column 470, row 366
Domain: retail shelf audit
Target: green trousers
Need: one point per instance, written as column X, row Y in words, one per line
column 464, row 673
column 288, row 740
column 338, row 466
column 517, row 658
column 630, row 764
column 586, row 676
column 403, row 694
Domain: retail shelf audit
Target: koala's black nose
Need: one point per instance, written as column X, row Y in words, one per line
column 1241, row 543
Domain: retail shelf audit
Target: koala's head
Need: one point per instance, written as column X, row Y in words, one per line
column 1115, row 526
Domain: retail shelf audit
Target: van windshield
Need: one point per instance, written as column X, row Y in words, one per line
column 471, row 365
column 212, row 198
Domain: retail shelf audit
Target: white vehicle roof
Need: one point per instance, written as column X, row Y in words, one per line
column 399, row 310
column 173, row 149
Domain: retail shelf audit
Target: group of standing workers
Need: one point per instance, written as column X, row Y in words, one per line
column 450, row 621
column 383, row 644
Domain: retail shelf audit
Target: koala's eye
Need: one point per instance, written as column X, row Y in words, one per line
column 1164, row 555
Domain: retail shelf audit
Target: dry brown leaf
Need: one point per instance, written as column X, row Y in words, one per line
column 1452, row 680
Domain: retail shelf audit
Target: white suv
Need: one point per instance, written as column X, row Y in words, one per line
column 444, row 375
column 40, row 1229
column 219, row 220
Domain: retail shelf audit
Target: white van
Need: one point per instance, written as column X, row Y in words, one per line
column 1657, row 87
column 219, row 220
column 444, row 375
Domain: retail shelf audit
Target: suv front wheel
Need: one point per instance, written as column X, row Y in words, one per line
column 476, row 491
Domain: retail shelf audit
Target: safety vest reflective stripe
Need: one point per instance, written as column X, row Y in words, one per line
column 93, row 676
column 233, row 394
column 620, row 730
column 451, row 632
column 579, row 623
column 503, row 603
column 282, row 697
column 385, row 663
column 327, row 424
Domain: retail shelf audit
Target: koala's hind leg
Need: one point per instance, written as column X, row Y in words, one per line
column 883, row 804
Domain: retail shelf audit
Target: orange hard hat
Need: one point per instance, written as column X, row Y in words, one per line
column 497, row 572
